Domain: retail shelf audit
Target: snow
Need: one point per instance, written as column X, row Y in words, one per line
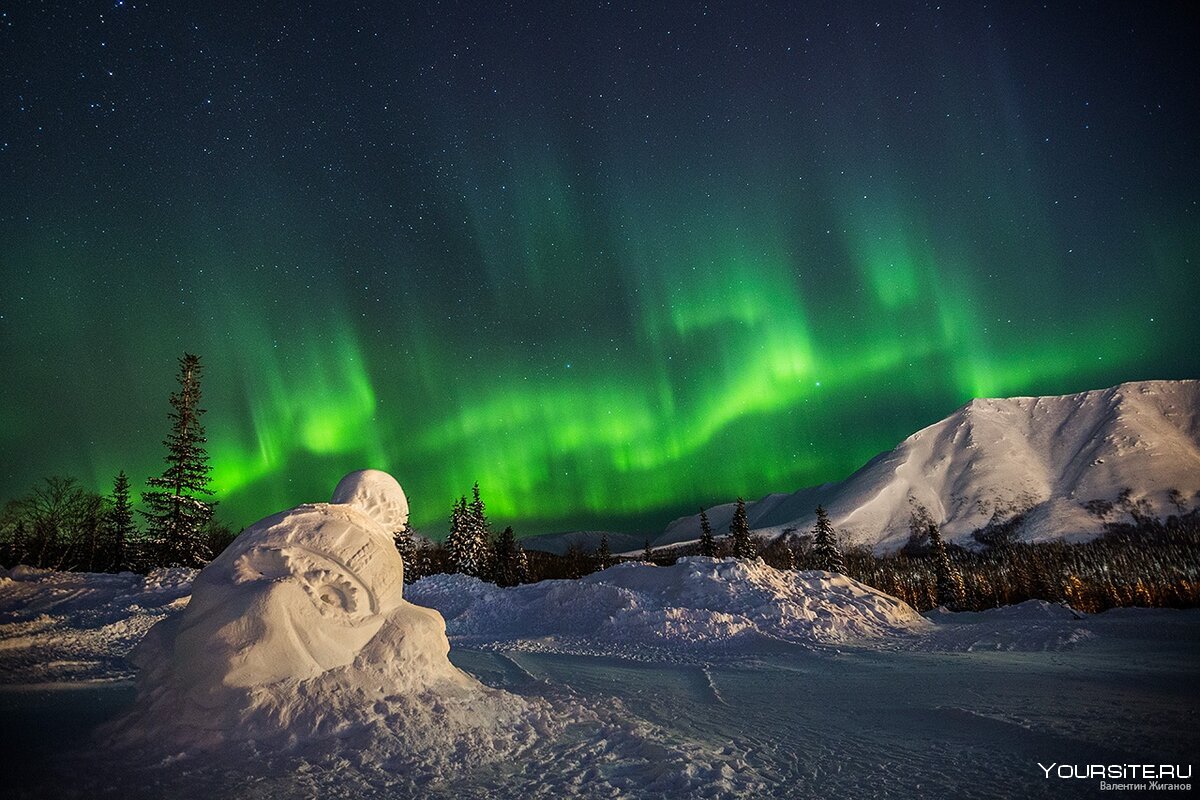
column 697, row 606
column 375, row 493
column 996, row 457
column 298, row 633
column 893, row 706
column 295, row 665
column 66, row 627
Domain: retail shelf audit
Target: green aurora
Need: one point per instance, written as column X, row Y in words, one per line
column 607, row 294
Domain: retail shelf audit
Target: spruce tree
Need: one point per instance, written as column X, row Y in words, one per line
column 742, row 544
column 406, row 546
column 456, row 540
column 512, row 567
column 604, row 558
column 951, row 591
column 826, row 555
column 121, row 530
column 648, row 554
column 467, row 544
column 178, row 511
column 481, row 531
column 708, row 542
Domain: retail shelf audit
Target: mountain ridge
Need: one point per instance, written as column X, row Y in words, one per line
column 994, row 458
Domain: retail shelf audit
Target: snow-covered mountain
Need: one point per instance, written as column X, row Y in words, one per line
column 991, row 459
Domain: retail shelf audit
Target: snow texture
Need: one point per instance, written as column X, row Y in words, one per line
column 69, row 627
column 298, row 632
column 956, row 705
column 697, row 606
column 992, row 459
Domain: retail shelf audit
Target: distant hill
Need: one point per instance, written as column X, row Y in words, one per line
column 588, row 541
column 1042, row 457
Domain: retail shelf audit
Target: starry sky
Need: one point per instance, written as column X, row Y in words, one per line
column 612, row 262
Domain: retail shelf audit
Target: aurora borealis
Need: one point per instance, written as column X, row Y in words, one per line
column 610, row 263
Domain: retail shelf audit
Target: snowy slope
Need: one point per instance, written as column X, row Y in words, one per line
column 697, row 606
column 992, row 458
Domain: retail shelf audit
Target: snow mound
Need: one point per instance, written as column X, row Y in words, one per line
column 699, row 605
column 1040, row 457
column 298, row 632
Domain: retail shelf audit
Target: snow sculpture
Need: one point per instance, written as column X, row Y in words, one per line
column 300, row 627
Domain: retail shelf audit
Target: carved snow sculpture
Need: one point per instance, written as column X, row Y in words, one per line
column 299, row 630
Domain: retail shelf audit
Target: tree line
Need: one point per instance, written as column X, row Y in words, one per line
column 61, row 525
column 1140, row 561
column 1147, row 561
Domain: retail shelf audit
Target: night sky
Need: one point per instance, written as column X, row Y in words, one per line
column 610, row 262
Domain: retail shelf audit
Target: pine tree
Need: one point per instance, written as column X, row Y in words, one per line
column 648, row 554
column 604, row 558
column 951, row 590
column 121, row 530
column 406, row 546
column 456, row 540
column 467, row 542
column 512, row 566
column 178, row 512
column 481, row 531
column 742, row 544
column 826, row 554
column 708, row 542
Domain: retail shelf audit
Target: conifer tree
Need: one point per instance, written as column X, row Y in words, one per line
column 951, row 591
column 178, row 512
column 480, row 532
column 826, row 555
column 467, row 543
column 512, row 566
column 604, row 558
column 121, row 530
column 708, row 542
column 742, row 544
column 457, row 548
column 406, row 546
column 478, row 515
column 648, row 553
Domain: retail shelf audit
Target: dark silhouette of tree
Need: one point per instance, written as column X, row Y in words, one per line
column 648, row 553
column 826, row 554
column 406, row 546
column 779, row 554
column 951, row 591
column 604, row 558
column 708, row 542
column 178, row 512
column 512, row 565
column 58, row 525
column 742, row 544
column 121, row 530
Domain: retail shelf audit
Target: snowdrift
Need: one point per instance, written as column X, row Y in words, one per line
column 699, row 605
column 74, row 627
column 1043, row 457
column 299, row 633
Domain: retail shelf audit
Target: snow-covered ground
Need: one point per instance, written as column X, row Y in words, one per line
column 702, row 679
